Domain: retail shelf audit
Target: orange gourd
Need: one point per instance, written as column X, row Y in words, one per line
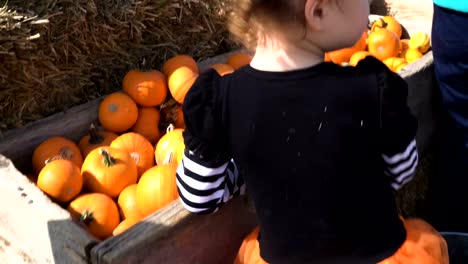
column 383, row 44
column 238, row 60
column 109, row 170
column 343, row 55
column 156, row 188
column 127, row 203
column 95, row 139
column 140, row 149
column 389, row 23
column 166, row 148
column 97, row 211
column 180, row 81
column 147, row 124
column 223, row 69
column 249, row 251
column 61, row 179
column 177, row 62
column 118, row 112
column 55, row 146
column 145, row 86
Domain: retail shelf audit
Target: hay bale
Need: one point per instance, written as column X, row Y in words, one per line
column 59, row 53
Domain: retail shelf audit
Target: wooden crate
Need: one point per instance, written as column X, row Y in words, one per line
column 30, row 222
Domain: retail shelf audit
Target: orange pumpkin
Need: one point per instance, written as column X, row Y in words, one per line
column 95, row 139
column 222, row 69
column 55, row 146
column 166, row 148
column 178, row 61
column 343, row 55
column 238, row 60
column 249, row 251
column 97, row 211
column 358, row 56
column 147, row 124
column 145, row 87
column 117, row 112
column 127, row 203
column 389, row 23
column 141, row 150
column 180, row 81
column 413, row 55
column 109, row 170
column 61, row 179
column 124, row 225
column 180, row 152
column 384, row 44
column 156, row 188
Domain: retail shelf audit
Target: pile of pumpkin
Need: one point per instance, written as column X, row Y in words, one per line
column 125, row 169
column 383, row 40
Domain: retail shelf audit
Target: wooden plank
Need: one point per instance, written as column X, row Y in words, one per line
column 19, row 144
column 33, row 229
column 176, row 236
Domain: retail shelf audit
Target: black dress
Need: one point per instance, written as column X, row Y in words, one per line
column 319, row 150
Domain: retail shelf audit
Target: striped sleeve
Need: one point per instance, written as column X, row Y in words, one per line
column 398, row 130
column 205, row 189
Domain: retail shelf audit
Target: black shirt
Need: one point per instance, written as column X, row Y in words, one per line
column 319, row 150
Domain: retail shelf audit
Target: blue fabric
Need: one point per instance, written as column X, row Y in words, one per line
column 450, row 49
column 458, row 5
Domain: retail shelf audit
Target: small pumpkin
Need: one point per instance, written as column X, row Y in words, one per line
column 156, row 188
column 249, row 251
column 145, row 86
column 140, row 149
column 97, row 211
column 389, row 23
column 147, row 124
column 344, row 55
column 238, row 60
column 180, row 81
column 168, row 144
column 118, row 112
column 55, row 146
column 109, row 170
column 177, row 61
column 124, row 225
column 383, row 44
column 395, row 64
column 127, row 203
column 95, row 139
column 358, row 56
column 222, row 68
column 60, row 179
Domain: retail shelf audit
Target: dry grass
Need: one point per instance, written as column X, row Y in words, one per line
column 59, row 53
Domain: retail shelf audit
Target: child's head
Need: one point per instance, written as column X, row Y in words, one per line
column 327, row 24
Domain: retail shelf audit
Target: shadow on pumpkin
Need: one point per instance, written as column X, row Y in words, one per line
column 169, row 236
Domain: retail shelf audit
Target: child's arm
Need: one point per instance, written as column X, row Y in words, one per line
column 203, row 189
column 207, row 177
column 398, row 126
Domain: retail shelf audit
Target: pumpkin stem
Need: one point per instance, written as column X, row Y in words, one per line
column 144, row 66
column 65, row 153
column 86, row 217
column 94, row 136
column 169, row 128
column 168, row 103
column 108, row 160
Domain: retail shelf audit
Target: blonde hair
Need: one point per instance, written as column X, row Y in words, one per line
column 249, row 18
